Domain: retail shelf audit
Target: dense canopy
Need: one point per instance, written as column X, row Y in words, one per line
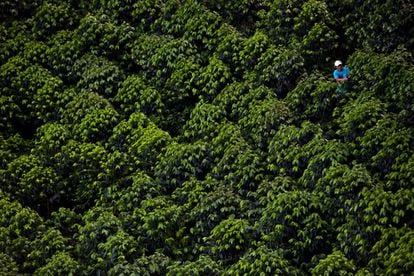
column 184, row 137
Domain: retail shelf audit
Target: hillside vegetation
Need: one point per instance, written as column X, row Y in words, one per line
column 184, row 137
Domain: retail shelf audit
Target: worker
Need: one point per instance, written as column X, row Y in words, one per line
column 342, row 75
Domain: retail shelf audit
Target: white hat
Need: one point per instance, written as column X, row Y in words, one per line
column 338, row 62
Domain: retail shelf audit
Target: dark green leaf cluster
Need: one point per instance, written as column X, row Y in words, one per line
column 180, row 137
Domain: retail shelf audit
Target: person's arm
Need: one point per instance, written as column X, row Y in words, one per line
column 337, row 78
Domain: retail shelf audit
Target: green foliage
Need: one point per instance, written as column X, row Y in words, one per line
column 230, row 239
column 230, row 43
column 146, row 12
column 335, row 263
column 82, row 104
column 359, row 115
column 253, row 48
column 182, row 137
column 62, row 52
column 50, row 138
column 135, row 95
column 11, row 147
column 339, row 186
column 385, row 77
column 13, row 36
column 182, row 84
column 141, row 139
column 155, row 264
column 323, row 155
column 295, row 221
column 239, row 165
column 386, row 145
column 234, row 99
column 313, row 98
column 34, row 51
column 238, row 101
column 31, row 183
column 383, row 207
column 382, row 26
column 157, row 55
column 19, row 227
column 35, row 92
column 10, row 71
column 394, row 252
column 9, row 112
column 66, row 221
column 22, row 9
column 162, row 226
column 278, row 68
column 204, row 122
column 230, row 10
column 97, row 125
column 209, row 202
column 263, row 261
column 262, row 120
column 100, row 35
column 401, row 175
column 279, row 21
column 102, row 238
column 7, row 265
column 146, row 149
column 95, row 74
column 126, row 199
column 50, row 18
column 169, row 64
column 118, row 10
column 286, row 153
column 268, row 189
column 313, row 29
column 45, row 247
column 80, row 166
column 201, row 25
column 100, row 225
column 128, row 131
column 179, row 162
column 213, row 77
column 60, row 264
column 377, row 210
column 202, row 266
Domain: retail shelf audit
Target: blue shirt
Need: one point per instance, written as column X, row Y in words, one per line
column 341, row 74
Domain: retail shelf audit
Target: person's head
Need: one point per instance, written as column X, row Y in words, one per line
column 338, row 65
